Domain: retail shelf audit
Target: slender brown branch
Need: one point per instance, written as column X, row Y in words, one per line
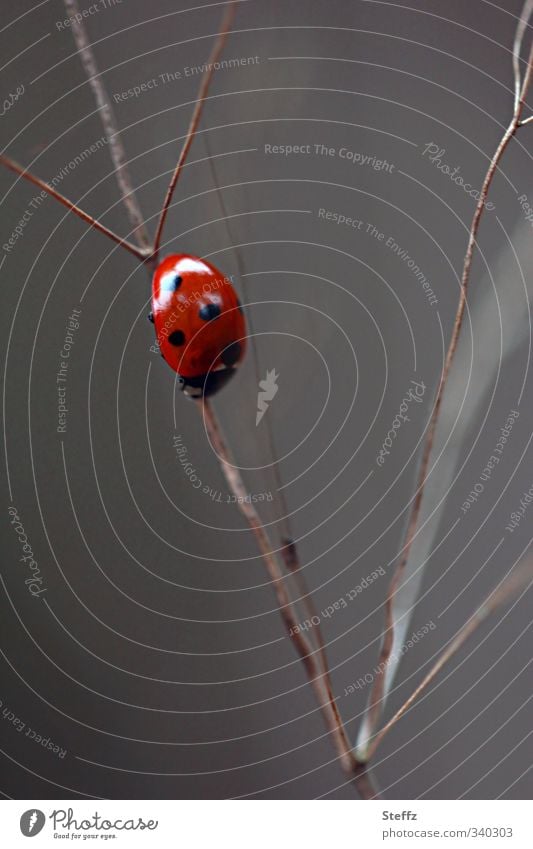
column 319, row 677
column 364, row 782
column 377, row 692
column 109, row 122
column 195, row 120
column 36, row 181
column 319, row 680
column 289, row 551
column 520, row 580
column 284, row 522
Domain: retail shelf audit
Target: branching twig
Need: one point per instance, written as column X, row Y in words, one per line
column 291, row 559
column 320, row 681
column 109, row 123
column 195, row 120
column 36, row 181
column 376, row 698
column 520, row 580
column 318, row 677
column 289, row 551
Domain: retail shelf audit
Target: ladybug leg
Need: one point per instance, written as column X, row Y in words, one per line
column 150, row 317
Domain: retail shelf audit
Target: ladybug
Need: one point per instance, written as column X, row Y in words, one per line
column 199, row 323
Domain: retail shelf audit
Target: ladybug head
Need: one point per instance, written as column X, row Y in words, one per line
column 206, row 384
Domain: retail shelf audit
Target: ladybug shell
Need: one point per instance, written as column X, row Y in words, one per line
column 199, row 323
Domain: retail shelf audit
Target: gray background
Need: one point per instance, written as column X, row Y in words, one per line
column 159, row 655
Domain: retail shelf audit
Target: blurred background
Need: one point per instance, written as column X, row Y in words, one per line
column 322, row 177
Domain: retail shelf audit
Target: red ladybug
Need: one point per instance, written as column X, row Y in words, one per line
column 199, row 323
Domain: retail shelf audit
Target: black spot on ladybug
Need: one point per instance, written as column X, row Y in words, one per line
column 209, row 311
column 177, row 337
column 151, row 317
column 231, row 354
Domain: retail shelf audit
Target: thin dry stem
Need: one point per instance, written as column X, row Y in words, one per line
column 109, row 122
column 364, row 781
column 289, row 551
column 195, row 120
column 291, row 559
column 386, row 648
column 517, row 48
column 520, row 580
column 319, row 680
column 36, row 181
